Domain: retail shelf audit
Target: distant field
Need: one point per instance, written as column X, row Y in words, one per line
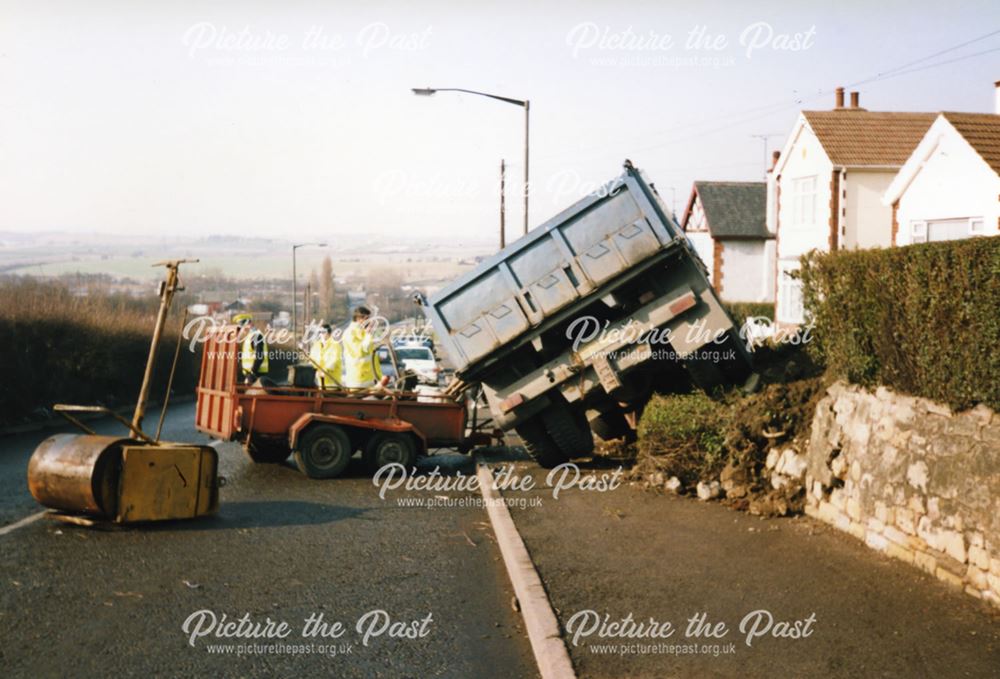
column 249, row 266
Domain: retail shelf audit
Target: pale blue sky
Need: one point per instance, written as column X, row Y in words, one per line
column 124, row 116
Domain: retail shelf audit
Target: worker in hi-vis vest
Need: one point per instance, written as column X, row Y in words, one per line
column 325, row 355
column 361, row 364
column 254, row 350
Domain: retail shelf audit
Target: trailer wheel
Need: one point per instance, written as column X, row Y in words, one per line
column 389, row 447
column 539, row 444
column 324, row 451
column 569, row 430
column 267, row 452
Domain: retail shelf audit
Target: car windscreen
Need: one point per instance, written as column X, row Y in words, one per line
column 414, row 354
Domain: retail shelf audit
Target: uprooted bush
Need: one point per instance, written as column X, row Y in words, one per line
column 727, row 437
column 922, row 319
column 683, row 435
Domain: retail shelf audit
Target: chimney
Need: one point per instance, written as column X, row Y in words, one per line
column 839, row 101
column 854, row 99
column 996, row 105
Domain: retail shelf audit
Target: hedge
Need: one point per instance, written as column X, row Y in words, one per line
column 60, row 360
column 922, row 319
column 740, row 311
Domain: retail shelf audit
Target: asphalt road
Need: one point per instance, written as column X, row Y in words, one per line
column 632, row 552
column 82, row 602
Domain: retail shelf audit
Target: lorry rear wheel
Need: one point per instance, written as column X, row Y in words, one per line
column 323, row 452
column 539, row 444
column 267, row 452
column 569, row 430
column 390, row 447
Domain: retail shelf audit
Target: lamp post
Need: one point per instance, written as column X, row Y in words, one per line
column 295, row 301
column 524, row 103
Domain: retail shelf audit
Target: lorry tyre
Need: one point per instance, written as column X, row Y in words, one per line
column 569, row 430
column 323, row 452
column 262, row 451
column 389, row 447
column 539, row 444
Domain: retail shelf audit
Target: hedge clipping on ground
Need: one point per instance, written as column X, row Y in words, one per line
column 922, row 319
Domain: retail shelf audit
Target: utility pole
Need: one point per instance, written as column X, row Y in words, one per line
column 295, row 302
column 503, row 216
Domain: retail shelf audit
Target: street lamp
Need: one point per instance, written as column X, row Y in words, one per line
column 295, row 296
column 428, row 91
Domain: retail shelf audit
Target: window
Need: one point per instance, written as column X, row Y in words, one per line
column 804, row 201
column 414, row 354
column 931, row 231
column 790, row 309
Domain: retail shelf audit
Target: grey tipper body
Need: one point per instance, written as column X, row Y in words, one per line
column 524, row 323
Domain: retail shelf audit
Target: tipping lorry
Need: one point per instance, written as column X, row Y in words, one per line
column 571, row 328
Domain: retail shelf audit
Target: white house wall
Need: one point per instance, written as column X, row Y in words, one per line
column 868, row 223
column 703, row 245
column 745, row 265
column 805, row 159
column 954, row 183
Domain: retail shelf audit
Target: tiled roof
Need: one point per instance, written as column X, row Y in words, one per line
column 982, row 131
column 857, row 137
column 734, row 209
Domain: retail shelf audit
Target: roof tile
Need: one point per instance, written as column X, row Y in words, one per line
column 734, row 209
column 858, row 137
column 982, row 131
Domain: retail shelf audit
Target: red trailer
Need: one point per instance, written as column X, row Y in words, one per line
column 322, row 429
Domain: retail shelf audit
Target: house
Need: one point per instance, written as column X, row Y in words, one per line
column 725, row 222
column 949, row 187
column 826, row 187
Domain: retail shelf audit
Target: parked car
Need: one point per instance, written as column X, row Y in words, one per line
column 420, row 360
column 413, row 341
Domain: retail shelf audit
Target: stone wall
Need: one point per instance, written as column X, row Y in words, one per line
column 911, row 479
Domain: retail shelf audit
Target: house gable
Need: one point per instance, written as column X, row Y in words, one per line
column 947, row 185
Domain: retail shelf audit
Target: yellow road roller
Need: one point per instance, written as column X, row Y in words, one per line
column 91, row 479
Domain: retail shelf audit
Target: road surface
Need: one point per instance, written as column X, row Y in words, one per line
column 85, row 602
column 284, row 548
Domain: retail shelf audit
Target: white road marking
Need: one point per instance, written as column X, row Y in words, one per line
column 20, row 524
column 539, row 619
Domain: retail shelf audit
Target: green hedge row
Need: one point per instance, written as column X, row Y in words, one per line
column 740, row 311
column 922, row 319
column 63, row 361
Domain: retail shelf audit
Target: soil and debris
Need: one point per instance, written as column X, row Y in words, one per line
column 744, row 450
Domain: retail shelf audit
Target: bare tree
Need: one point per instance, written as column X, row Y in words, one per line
column 310, row 311
column 326, row 288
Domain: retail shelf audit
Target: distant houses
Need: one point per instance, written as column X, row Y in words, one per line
column 726, row 223
column 847, row 178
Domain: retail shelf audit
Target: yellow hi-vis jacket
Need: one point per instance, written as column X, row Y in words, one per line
column 326, row 354
column 248, row 353
column 360, row 360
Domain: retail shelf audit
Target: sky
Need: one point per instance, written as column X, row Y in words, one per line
column 294, row 119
